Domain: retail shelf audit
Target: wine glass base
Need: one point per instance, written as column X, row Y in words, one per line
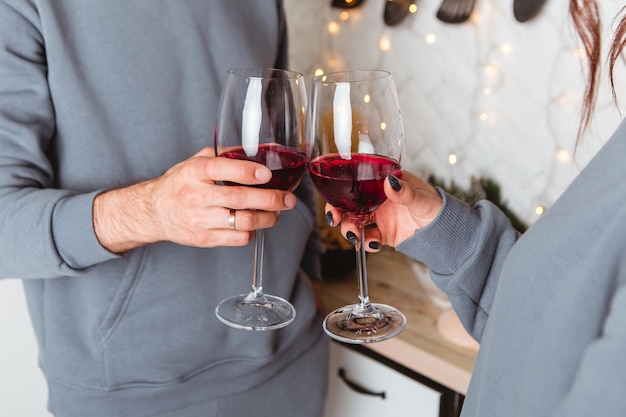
column 266, row 312
column 348, row 325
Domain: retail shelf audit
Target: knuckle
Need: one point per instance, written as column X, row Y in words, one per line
column 234, row 197
column 245, row 220
column 189, row 166
column 242, row 239
column 219, row 193
column 270, row 219
column 187, row 197
column 211, row 166
column 273, row 199
column 243, row 171
column 235, row 170
column 230, row 196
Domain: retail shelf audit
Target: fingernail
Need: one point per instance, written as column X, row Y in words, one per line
column 394, row 182
column 290, row 200
column 329, row 218
column 262, row 175
column 374, row 245
column 351, row 237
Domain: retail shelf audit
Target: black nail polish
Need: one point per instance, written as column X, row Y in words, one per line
column 329, row 219
column 394, row 182
column 351, row 237
column 374, row 245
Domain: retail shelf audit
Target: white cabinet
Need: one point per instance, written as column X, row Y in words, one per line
column 360, row 385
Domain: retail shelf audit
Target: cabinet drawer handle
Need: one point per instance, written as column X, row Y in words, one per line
column 358, row 388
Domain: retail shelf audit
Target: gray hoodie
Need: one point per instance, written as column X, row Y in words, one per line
column 548, row 307
column 95, row 95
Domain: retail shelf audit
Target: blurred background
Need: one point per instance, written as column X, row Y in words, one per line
column 491, row 97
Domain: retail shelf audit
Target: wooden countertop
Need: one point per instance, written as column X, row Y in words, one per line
column 420, row 347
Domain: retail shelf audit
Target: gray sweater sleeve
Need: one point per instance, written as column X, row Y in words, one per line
column 465, row 248
column 44, row 231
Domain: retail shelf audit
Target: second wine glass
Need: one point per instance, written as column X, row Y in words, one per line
column 356, row 137
column 261, row 119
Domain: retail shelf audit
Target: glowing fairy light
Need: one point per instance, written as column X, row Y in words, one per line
column 430, row 38
column 483, row 117
column 506, row 48
column 383, row 125
column 452, row 159
column 366, row 98
column 344, row 15
column 384, row 43
column 487, row 91
column 333, row 27
column 539, row 210
column 319, row 71
column 412, row 8
column 563, row 155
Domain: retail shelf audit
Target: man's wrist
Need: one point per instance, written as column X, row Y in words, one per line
column 123, row 218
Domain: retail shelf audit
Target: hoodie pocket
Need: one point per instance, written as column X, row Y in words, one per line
column 123, row 294
column 161, row 327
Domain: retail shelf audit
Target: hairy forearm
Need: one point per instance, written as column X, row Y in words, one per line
column 123, row 218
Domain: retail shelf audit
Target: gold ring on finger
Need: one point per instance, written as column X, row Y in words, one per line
column 231, row 219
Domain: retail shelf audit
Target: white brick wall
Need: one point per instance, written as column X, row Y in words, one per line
column 531, row 68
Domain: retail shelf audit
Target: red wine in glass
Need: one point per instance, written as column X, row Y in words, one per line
column 287, row 164
column 261, row 118
column 356, row 184
column 356, row 136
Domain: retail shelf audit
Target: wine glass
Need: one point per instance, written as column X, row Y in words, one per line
column 355, row 139
column 261, row 118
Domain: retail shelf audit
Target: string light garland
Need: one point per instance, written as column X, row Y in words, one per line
column 351, row 29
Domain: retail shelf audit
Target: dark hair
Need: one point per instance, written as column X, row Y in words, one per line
column 586, row 17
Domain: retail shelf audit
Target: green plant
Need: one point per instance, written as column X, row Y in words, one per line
column 480, row 189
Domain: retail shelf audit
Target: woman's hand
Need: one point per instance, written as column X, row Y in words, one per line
column 411, row 204
column 187, row 206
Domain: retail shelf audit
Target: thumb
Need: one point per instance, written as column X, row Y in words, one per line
column 422, row 201
column 398, row 191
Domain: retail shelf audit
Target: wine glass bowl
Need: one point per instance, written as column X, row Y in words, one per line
column 286, row 163
column 358, row 195
column 355, row 140
column 261, row 119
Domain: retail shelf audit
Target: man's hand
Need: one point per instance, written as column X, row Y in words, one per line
column 186, row 205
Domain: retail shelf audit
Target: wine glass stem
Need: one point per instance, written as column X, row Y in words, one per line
column 257, row 277
column 364, row 305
